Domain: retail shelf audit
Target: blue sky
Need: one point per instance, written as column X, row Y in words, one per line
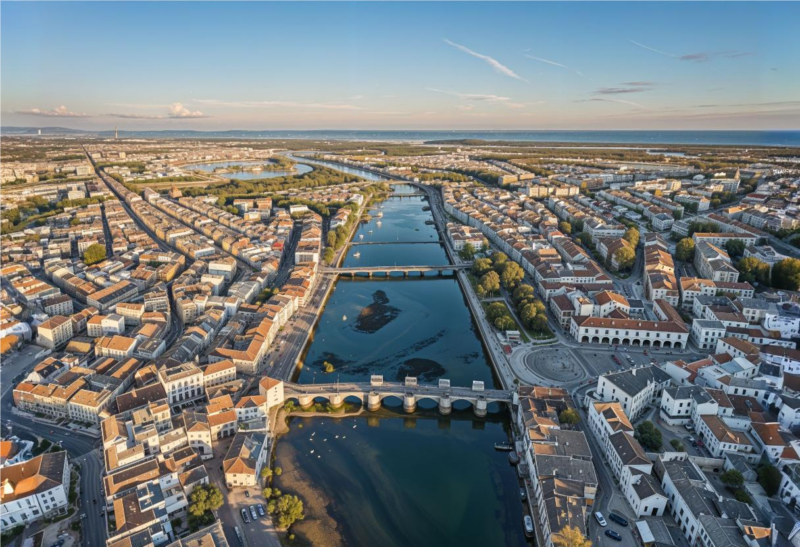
column 480, row 65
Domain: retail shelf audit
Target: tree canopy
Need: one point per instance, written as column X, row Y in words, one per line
column 512, row 274
column 648, row 435
column 625, row 257
column 94, row 253
column 571, row 536
column 752, row 269
column 769, row 478
column 786, row 274
column 684, row 250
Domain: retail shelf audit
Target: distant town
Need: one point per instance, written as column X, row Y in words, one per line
column 193, row 330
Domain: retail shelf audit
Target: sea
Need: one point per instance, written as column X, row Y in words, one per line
column 619, row 137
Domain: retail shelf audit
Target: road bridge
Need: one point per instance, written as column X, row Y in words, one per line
column 371, row 394
column 369, row 271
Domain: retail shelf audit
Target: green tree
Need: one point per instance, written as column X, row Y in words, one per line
column 648, row 435
column 202, row 501
column 786, row 274
column 625, row 257
column 677, row 445
column 512, row 275
column 577, row 225
column 490, row 282
column 539, row 323
column 527, row 314
column 94, row 253
column 327, row 367
column 481, row 266
column 504, row 323
column 332, row 238
column 752, row 269
column 328, row 255
column 769, row 478
column 684, row 250
column 565, row 227
column 735, row 247
column 289, row 509
column 498, row 261
column 278, row 471
column 569, row 416
column 522, row 292
column 495, row 310
column 266, row 472
column 742, row 496
column 585, row 238
column 571, row 536
column 467, row 252
column 631, row 236
column 732, row 477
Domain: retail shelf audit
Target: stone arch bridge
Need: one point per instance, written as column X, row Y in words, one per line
column 371, row 394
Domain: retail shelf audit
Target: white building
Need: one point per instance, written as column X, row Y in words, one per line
column 34, row 489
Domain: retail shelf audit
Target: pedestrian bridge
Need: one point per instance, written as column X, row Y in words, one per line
column 371, row 394
column 388, row 270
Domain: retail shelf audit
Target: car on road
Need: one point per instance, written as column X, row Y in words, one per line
column 613, row 535
column 245, row 516
column 618, row 519
column 261, row 511
column 700, row 443
column 247, row 493
column 523, row 495
column 600, row 519
column 253, row 512
column 689, row 427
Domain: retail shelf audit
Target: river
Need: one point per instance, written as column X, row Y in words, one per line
column 386, row 478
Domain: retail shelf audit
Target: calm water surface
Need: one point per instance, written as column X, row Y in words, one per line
column 403, row 482
column 248, row 175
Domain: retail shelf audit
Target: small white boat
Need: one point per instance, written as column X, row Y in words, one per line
column 311, row 452
column 354, row 427
column 360, row 236
column 356, row 254
column 379, row 224
column 344, row 318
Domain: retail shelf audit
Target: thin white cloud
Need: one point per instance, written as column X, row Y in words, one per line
column 58, row 112
column 547, row 61
column 620, row 101
column 559, row 65
column 491, row 61
column 135, row 116
column 471, row 96
column 278, row 104
column 654, row 50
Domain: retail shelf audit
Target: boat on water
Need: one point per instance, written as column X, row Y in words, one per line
column 356, row 254
column 360, row 236
column 344, row 318
column 505, row 447
column 379, row 223
column 379, row 214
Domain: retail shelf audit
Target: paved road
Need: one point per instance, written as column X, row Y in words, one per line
column 94, row 526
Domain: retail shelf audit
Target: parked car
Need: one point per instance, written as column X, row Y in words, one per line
column 245, row 516
column 613, row 535
column 528, row 525
column 689, row 427
column 700, row 443
column 253, row 512
column 618, row 519
column 600, row 519
column 523, row 495
column 261, row 510
column 247, row 493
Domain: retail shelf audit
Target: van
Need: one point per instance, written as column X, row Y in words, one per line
column 600, row 519
column 618, row 519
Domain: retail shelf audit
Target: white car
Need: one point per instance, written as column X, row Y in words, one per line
column 600, row 519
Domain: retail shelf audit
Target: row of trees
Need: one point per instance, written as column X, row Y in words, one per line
column 530, row 309
column 495, row 272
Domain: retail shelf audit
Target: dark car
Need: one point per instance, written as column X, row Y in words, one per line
column 247, row 493
column 613, row 535
column 618, row 519
column 523, row 495
column 245, row 516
